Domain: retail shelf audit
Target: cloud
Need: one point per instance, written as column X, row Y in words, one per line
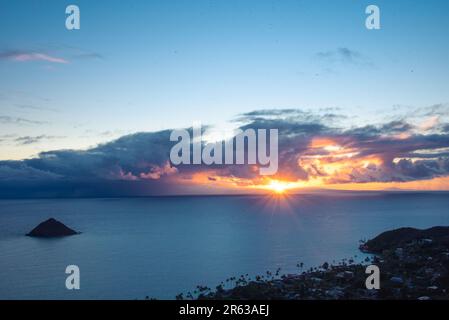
column 430, row 123
column 26, row 140
column 343, row 55
column 445, row 128
column 58, row 50
column 33, row 107
column 24, row 56
column 311, row 150
column 294, row 116
column 88, row 56
column 75, row 52
column 17, row 170
column 440, row 109
column 18, row 120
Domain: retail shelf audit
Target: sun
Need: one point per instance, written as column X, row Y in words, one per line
column 278, row 187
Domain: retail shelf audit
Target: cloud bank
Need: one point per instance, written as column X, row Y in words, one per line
column 313, row 151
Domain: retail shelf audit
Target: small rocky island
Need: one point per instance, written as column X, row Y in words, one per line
column 413, row 263
column 51, row 228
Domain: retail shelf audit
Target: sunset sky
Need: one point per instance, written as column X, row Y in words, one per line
column 89, row 112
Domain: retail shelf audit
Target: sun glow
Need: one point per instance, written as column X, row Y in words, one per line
column 326, row 164
column 279, row 187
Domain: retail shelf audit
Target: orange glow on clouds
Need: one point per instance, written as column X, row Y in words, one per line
column 329, row 165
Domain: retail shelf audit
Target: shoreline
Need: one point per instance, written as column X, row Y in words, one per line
column 413, row 264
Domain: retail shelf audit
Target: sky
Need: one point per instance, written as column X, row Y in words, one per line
column 138, row 69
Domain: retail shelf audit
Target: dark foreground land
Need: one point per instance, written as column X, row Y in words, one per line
column 414, row 264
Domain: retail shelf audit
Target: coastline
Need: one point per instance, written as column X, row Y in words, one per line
column 413, row 264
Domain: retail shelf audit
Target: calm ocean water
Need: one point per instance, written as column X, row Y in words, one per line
column 158, row 247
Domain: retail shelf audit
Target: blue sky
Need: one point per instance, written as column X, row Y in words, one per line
column 151, row 65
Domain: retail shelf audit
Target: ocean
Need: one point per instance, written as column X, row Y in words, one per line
column 158, row 247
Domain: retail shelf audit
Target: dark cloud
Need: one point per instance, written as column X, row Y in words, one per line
column 293, row 116
column 139, row 163
column 20, row 171
column 125, row 158
column 393, row 127
column 396, row 127
column 445, row 128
